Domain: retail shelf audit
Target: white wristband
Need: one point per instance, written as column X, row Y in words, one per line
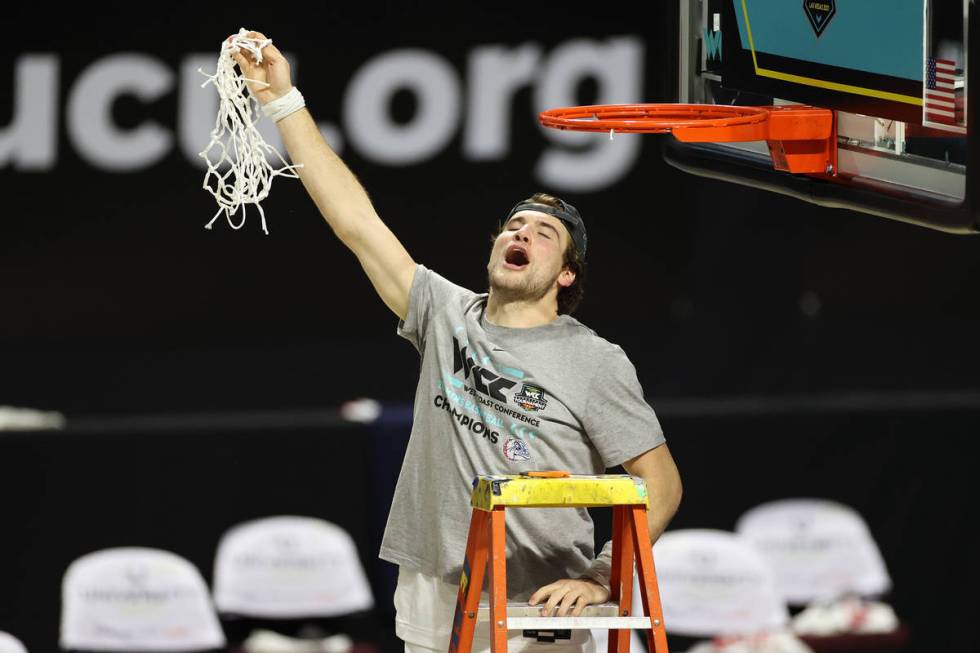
column 282, row 107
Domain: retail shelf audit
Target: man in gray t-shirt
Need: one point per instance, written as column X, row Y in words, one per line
column 509, row 381
column 497, row 399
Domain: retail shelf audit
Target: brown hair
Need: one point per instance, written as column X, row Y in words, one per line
column 569, row 297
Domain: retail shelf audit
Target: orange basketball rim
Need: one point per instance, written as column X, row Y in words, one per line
column 801, row 139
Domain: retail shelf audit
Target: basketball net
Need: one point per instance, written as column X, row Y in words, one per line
column 239, row 171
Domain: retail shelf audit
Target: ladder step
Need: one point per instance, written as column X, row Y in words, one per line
column 576, row 623
column 521, row 616
column 515, row 609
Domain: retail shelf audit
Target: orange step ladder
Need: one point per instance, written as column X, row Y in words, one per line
column 485, row 545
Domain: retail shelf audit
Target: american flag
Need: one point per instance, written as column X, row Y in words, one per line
column 939, row 104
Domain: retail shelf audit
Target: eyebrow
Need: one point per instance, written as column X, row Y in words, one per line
column 523, row 220
column 551, row 226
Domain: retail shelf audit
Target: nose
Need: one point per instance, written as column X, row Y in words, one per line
column 524, row 233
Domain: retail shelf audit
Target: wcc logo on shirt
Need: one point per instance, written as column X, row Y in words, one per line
column 485, row 381
column 531, row 397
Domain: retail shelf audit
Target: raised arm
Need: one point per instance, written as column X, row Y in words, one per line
column 338, row 195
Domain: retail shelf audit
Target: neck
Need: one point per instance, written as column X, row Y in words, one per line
column 520, row 313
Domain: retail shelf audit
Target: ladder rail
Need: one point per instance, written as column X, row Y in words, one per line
column 486, row 556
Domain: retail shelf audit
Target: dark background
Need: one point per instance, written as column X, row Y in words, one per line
column 790, row 350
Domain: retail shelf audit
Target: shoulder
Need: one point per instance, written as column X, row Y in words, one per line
column 441, row 293
column 586, row 349
column 613, row 377
column 586, row 339
column 438, row 285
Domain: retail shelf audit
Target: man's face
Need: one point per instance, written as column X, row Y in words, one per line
column 528, row 256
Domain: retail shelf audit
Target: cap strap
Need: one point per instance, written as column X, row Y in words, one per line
column 544, row 208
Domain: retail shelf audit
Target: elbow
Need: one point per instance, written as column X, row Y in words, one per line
column 676, row 495
column 669, row 492
column 673, row 490
column 355, row 229
column 346, row 234
column 672, row 485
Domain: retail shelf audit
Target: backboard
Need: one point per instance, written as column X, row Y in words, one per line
column 896, row 73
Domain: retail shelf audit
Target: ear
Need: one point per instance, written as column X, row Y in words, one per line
column 566, row 278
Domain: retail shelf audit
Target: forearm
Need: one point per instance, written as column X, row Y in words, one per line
column 334, row 189
column 658, row 516
column 337, row 193
column 665, row 498
column 658, row 471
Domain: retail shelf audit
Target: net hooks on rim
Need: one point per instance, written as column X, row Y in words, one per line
column 801, row 139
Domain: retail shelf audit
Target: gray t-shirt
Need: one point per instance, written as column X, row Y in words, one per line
column 500, row 400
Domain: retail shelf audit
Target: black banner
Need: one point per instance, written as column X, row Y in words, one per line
column 115, row 297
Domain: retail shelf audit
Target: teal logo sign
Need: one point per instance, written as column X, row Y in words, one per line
column 819, row 13
column 712, row 44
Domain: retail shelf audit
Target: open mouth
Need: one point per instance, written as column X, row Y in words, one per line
column 516, row 257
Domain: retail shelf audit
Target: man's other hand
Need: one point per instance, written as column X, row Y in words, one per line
column 569, row 596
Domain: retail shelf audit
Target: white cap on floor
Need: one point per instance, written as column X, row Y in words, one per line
column 137, row 599
column 819, row 550
column 289, row 567
column 713, row 583
column 10, row 644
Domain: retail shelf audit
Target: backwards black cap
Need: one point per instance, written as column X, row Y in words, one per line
column 564, row 212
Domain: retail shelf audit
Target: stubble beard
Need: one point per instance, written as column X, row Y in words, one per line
column 523, row 288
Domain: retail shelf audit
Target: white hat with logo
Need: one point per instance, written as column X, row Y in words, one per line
column 714, row 583
column 289, row 567
column 137, row 599
column 10, row 644
column 819, row 550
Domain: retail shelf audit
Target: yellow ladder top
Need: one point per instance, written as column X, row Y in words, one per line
column 572, row 491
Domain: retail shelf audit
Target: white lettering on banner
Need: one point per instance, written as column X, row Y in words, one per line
column 30, row 142
column 494, row 76
column 90, row 125
column 617, row 66
column 367, row 107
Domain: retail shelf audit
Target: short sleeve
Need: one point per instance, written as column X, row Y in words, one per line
column 430, row 293
column 412, row 328
column 618, row 420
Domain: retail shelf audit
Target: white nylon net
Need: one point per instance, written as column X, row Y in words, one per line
column 239, row 171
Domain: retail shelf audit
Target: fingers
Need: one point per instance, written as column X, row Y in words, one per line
column 580, row 603
column 573, row 603
column 566, row 597
column 569, row 600
column 541, row 594
column 272, row 53
column 553, row 601
column 243, row 55
column 269, row 52
column 247, row 66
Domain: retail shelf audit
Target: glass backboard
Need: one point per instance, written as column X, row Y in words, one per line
column 896, row 73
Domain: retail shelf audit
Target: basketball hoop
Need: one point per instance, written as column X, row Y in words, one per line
column 801, row 139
